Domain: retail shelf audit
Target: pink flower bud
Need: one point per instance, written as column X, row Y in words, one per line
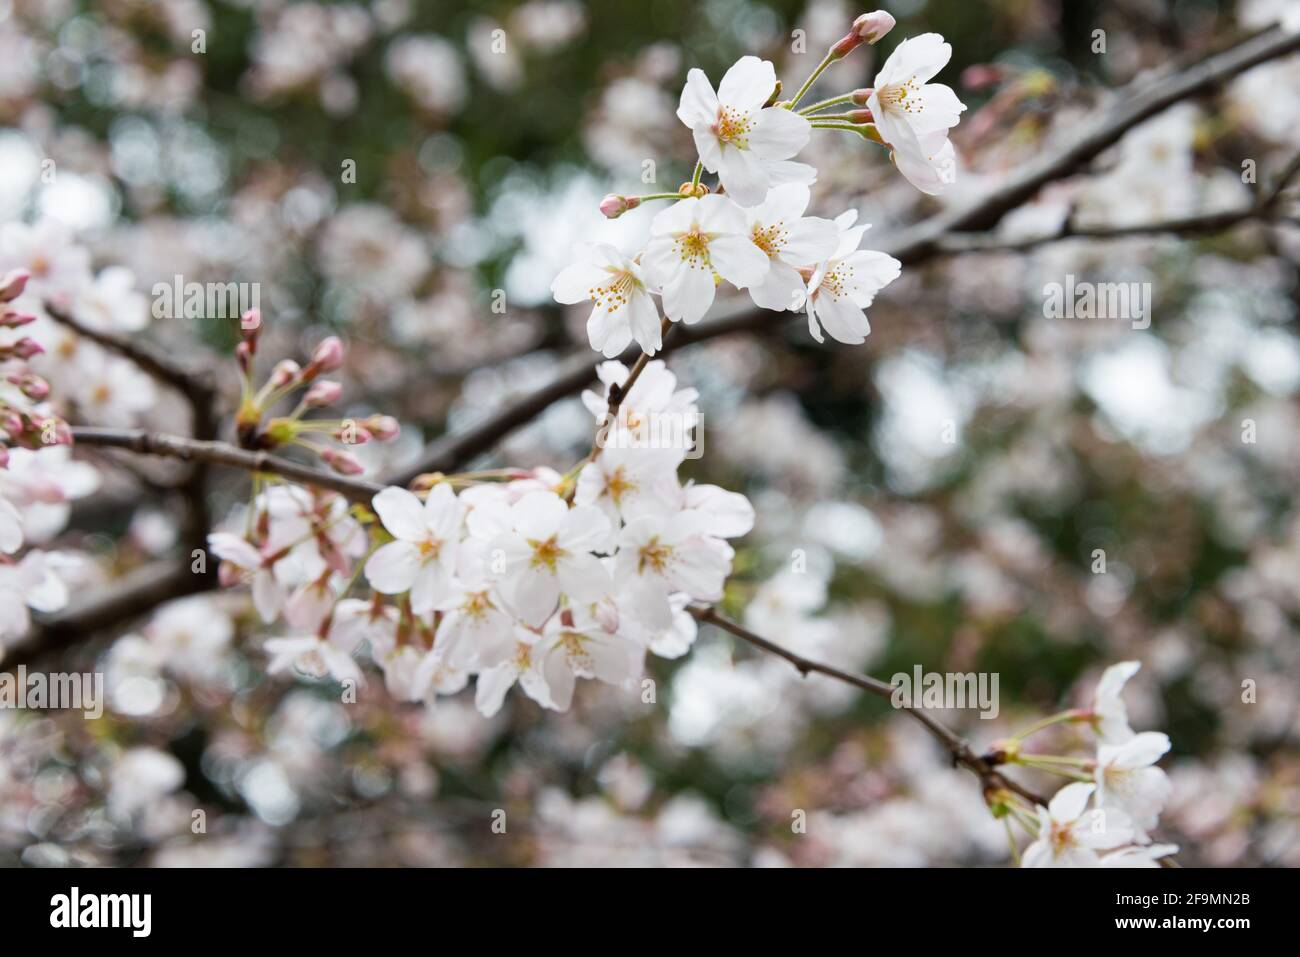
column 328, row 355
column 12, row 320
column 353, row 435
column 251, row 321
column 613, row 206
column 345, row 463
column 872, row 26
column 383, row 427
column 32, row 386
column 27, row 347
column 324, row 392
column 285, row 372
column 13, row 283
column 244, row 356
column 979, row 76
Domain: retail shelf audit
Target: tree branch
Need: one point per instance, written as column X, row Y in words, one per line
column 221, row 453
column 957, row 746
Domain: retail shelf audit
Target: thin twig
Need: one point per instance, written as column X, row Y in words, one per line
column 957, row 746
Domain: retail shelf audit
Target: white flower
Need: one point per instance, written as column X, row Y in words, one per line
column 474, row 629
column 422, row 559
column 544, row 549
column 655, row 392
column 11, row 527
column 41, row 483
column 843, row 286
column 737, row 137
column 1070, row 836
column 693, row 242
column 1146, row 855
column 142, row 776
column 778, row 227
column 113, row 391
column 191, row 635
column 573, row 646
column 1127, row 780
column 31, row 583
column 622, row 308
column 659, row 555
column 906, row 108
column 1110, row 717
column 934, row 168
column 313, row 655
column 625, row 483
column 112, row 303
column 519, row 665
column 269, row 592
column 59, row 268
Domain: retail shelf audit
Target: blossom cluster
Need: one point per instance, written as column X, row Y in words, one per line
column 1117, row 802
column 751, row 231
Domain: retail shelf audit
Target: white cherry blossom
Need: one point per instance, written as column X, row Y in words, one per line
column 1127, row 779
column 694, row 242
column 1070, row 835
column 423, row 557
column 622, row 307
column 736, row 136
column 791, row 241
column 843, row 286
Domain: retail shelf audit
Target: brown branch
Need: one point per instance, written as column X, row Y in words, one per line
column 221, row 453
column 957, row 746
column 1265, row 209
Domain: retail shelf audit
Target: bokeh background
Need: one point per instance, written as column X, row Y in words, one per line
column 934, row 497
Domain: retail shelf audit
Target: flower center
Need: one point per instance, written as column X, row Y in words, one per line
column 430, row 549
column 693, row 248
column 614, row 295
column 1062, row 838
column 835, row 281
column 655, row 556
column 546, row 553
column 901, row 96
column 618, row 485
column 733, row 127
column 770, row 239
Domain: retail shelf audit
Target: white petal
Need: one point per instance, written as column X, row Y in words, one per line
column 699, row 104
column 779, row 134
column 738, row 260
column 748, row 84
column 392, row 569
column 402, row 513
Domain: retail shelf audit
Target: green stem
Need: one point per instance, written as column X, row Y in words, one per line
column 695, row 177
column 821, row 105
column 807, row 84
column 1070, row 715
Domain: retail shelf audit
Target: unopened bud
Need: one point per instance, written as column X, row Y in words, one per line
column 328, row 355
column 861, row 116
column 12, row 320
column 26, row 347
column 872, row 26
column 250, row 322
column 286, row 371
column 345, row 463
column 13, row 284
column 613, row 206
column 383, row 427
column 325, row 392
column 352, row 434
column 692, row 189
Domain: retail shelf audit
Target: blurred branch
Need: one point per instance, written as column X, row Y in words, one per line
column 1136, row 102
column 221, row 453
column 1265, row 209
column 957, row 746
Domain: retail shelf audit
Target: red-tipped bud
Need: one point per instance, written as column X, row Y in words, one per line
column 345, row 463
column 250, row 322
column 861, row 116
column 32, row 386
column 26, row 347
column 286, row 372
column 613, row 206
column 353, row 435
column 12, row 320
column 325, row 392
column 328, row 355
column 383, row 427
column 872, row 26
column 13, row 284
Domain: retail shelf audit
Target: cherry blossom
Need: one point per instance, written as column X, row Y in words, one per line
column 423, row 557
column 1127, row 779
column 736, row 135
column 846, row 284
column 692, row 244
column 622, row 308
column 791, row 241
column 1070, row 835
